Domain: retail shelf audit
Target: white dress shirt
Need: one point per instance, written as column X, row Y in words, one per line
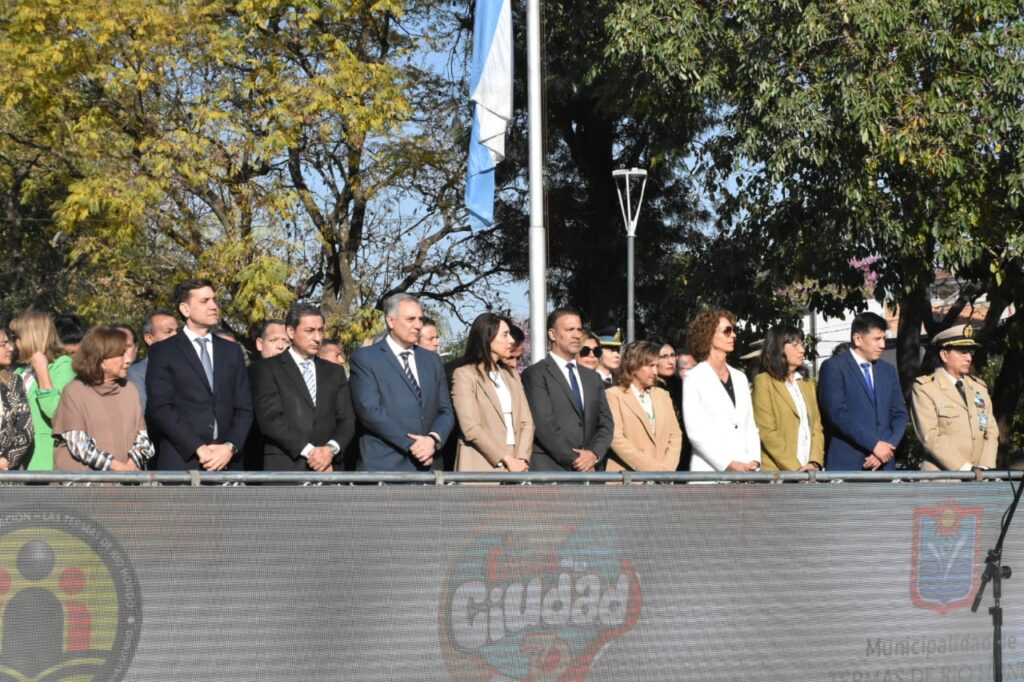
column 192, row 336
column 505, row 400
column 803, row 442
column 563, row 365
column 398, row 350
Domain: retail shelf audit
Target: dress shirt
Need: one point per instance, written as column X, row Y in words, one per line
column 335, row 448
column 192, row 336
column 563, row 365
column 858, row 360
column 644, row 398
column 803, row 443
column 398, row 350
column 505, row 400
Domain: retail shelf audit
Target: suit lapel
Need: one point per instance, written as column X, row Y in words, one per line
column 293, row 373
column 559, row 378
column 637, row 409
column 858, row 375
column 393, row 361
column 490, row 392
column 780, row 388
column 192, row 360
column 950, row 392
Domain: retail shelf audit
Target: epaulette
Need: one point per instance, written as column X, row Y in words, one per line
column 978, row 380
column 925, row 379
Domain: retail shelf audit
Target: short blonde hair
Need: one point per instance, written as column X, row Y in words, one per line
column 37, row 333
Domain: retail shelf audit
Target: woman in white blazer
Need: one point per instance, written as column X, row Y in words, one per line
column 717, row 408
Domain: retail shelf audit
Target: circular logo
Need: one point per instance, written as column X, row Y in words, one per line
column 537, row 601
column 69, row 599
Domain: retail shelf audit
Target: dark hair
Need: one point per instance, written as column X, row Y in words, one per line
column 124, row 326
column 184, row 290
column 773, row 353
column 300, row 310
column 478, row 344
column 147, row 324
column 559, row 313
column 98, row 344
column 518, row 335
column 429, row 321
column 634, row 356
column 588, row 333
column 71, row 328
column 261, row 329
column 703, row 329
column 867, row 322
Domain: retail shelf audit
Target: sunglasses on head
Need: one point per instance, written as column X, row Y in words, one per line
column 586, row 351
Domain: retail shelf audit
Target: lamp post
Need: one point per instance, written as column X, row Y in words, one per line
column 623, row 181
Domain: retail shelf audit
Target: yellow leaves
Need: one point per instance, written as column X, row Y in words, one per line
column 903, row 158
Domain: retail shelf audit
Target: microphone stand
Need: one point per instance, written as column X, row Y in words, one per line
column 996, row 573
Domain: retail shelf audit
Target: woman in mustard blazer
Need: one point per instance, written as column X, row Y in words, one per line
column 786, row 406
column 647, row 436
column 497, row 427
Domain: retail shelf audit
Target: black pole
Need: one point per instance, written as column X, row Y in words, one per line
column 996, row 572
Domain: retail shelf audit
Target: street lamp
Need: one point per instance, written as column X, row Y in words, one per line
column 623, row 181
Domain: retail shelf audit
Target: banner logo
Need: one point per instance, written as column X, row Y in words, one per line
column 946, row 557
column 69, row 600
column 536, row 603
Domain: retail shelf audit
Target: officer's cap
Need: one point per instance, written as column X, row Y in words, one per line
column 957, row 336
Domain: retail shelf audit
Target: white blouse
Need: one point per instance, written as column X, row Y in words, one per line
column 505, row 400
column 803, row 447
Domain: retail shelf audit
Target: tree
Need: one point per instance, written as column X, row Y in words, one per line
column 597, row 119
column 860, row 129
column 273, row 147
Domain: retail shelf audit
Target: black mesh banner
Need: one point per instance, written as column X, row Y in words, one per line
column 823, row 582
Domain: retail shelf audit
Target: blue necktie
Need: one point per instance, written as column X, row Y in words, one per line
column 310, row 378
column 866, row 367
column 575, row 386
column 409, row 375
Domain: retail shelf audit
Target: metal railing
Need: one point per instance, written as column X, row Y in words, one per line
column 197, row 478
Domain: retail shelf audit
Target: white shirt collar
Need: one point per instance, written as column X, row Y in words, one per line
column 859, row 359
column 562, row 362
column 397, row 349
column 296, row 357
column 192, row 336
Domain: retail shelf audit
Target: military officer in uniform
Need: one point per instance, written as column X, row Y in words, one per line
column 952, row 410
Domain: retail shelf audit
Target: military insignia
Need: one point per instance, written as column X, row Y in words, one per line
column 927, row 378
column 946, row 557
column 968, row 332
column 979, row 400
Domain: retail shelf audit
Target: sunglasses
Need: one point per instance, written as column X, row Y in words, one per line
column 729, row 331
column 586, row 351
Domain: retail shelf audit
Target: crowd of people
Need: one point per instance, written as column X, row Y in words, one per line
column 78, row 399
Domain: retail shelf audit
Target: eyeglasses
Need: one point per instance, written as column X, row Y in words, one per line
column 586, row 351
column 729, row 331
column 667, row 356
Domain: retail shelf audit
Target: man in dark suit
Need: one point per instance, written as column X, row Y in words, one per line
column 199, row 397
column 400, row 395
column 302, row 402
column 570, row 412
column 861, row 402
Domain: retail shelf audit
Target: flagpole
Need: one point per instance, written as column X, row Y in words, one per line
column 538, row 237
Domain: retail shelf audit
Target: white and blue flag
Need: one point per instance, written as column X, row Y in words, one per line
column 490, row 88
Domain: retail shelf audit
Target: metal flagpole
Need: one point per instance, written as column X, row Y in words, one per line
column 538, row 236
column 630, row 219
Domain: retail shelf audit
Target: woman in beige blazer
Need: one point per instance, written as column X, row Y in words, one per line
column 497, row 428
column 647, row 436
column 786, row 406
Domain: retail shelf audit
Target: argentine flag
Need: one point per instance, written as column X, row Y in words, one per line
column 490, row 88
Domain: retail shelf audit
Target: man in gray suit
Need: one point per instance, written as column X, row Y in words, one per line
column 570, row 412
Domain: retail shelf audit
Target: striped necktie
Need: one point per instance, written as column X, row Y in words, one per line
column 310, row 378
column 409, row 375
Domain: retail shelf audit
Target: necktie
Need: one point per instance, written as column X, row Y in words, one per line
column 575, row 386
column 866, row 367
column 204, row 358
column 310, row 378
column 409, row 375
column 960, row 389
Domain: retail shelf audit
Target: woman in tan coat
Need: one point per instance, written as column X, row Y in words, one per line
column 786, row 406
column 647, row 436
column 497, row 427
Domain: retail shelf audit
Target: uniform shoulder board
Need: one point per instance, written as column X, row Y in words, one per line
column 927, row 378
column 978, row 380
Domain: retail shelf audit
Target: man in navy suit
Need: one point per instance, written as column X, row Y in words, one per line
column 199, row 397
column 861, row 401
column 400, row 395
column 570, row 412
